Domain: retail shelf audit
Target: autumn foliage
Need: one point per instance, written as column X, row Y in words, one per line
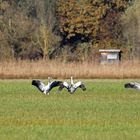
column 90, row 19
column 72, row 30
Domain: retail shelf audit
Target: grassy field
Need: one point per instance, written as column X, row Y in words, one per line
column 105, row 111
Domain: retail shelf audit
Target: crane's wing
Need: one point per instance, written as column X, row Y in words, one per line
column 80, row 85
column 132, row 85
column 55, row 84
column 64, row 85
column 137, row 85
column 40, row 85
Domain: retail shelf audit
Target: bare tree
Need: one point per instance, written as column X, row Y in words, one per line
column 131, row 32
column 47, row 22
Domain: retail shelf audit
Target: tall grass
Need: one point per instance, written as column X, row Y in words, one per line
column 57, row 69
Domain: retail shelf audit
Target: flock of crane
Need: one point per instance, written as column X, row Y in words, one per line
column 71, row 87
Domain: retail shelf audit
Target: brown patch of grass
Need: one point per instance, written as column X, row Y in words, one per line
column 57, row 69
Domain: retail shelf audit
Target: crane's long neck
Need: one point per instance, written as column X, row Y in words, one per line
column 72, row 80
column 49, row 80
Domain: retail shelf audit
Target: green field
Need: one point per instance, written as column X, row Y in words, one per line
column 105, row 111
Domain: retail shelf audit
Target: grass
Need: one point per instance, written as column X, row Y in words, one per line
column 105, row 111
column 57, row 69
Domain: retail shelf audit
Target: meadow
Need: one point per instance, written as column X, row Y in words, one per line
column 105, row 111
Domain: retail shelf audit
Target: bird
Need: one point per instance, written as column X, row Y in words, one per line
column 133, row 85
column 72, row 86
column 45, row 88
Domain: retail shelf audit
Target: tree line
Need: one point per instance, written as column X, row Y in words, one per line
column 69, row 30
